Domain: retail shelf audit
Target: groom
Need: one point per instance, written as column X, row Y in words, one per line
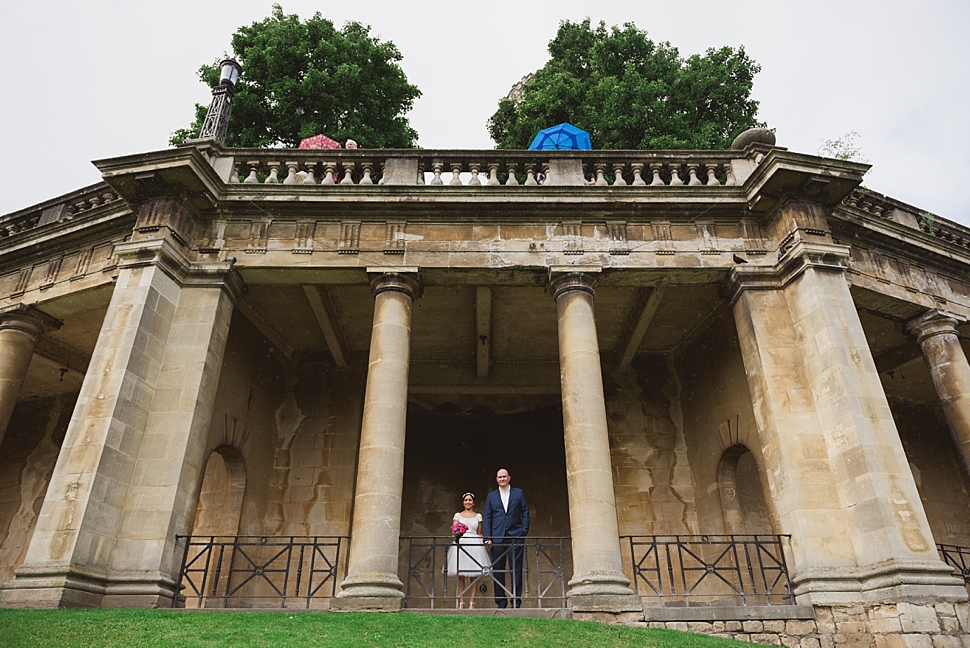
column 506, row 522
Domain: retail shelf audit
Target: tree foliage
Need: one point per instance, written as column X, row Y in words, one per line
column 303, row 78
column 632, row 93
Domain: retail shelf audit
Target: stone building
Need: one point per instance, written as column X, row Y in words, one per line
column 703, row 345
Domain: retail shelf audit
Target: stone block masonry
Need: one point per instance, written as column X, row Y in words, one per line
column 892, row 625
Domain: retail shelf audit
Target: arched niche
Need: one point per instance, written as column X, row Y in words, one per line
column 221, row 494
column 743, row 503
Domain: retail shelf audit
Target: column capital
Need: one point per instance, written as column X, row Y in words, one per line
column 794, row 259
column 404, row 280
column 160, row 252
column 932, row 323
column 563, row 279
column 28, row 319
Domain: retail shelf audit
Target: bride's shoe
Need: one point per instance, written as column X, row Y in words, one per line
column 471, row 605
column 461, row 605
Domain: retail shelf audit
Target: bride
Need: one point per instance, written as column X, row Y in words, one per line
column 467, row 558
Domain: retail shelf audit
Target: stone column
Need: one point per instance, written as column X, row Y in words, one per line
column 372, row 581
column 20, row 327
column 128, row 473
column 937, row 336
column 837, row 474
column 598, row 583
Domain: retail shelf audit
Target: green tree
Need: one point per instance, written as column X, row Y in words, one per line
column 303, row 78
column 631, row 93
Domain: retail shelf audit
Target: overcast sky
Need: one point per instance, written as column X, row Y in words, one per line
column 101, row 78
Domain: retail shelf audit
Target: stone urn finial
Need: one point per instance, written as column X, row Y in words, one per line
column 753, row 136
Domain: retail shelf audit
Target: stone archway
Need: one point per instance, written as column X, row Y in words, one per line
column 221, row 494
column 743, row 503
column 217, row 514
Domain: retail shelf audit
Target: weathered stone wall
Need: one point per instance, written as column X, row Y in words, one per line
column 296, row 430
column 651, row 476
column 717, row 416
column 318, row 427
column 27, row 456
column 251, row 389
column 936, row 468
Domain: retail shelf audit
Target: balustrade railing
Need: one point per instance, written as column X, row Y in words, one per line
column 59, row 209
column 709, row 570
column 882, row 206
column 258, row 571
column 959, row 559
column 336, row 168
column 870, row 202
column 428, row 585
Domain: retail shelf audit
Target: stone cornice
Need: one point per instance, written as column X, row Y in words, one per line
column 795, row 261
column 784, row 175
column 470, row 204
column 184, row 172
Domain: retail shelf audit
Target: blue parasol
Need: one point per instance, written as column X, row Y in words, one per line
column 564, row 137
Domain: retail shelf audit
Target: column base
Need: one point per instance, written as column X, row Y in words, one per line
column 607, row 592
column 912, row 581
column 76, row 589
column 378, row 593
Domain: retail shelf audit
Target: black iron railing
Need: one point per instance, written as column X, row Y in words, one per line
column 959, row 559
column 258, row 571
column 428, row 585
column 709, row 570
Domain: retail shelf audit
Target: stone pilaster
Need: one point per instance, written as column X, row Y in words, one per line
column 20, row 327
column 127, row 478
column 937, row 336
column 372, row 581
column 837, row 473
column 598, row 583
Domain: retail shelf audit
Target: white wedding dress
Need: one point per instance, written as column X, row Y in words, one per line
column 468, row 557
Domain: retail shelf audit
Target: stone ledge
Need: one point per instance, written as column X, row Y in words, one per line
column 733, row 613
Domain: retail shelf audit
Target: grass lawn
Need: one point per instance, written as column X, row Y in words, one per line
column 90, row 628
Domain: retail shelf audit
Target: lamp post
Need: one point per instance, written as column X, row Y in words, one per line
column 216, row 122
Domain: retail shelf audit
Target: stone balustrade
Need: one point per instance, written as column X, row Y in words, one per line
column 63, row 208
column 881, row 206
column 489, row 168
column 945, row 230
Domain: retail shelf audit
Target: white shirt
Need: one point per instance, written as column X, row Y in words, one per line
column 504, row 494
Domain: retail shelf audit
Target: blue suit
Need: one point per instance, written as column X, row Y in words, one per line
column 505, row 529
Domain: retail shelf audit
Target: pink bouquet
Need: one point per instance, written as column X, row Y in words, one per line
column 458, row 529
